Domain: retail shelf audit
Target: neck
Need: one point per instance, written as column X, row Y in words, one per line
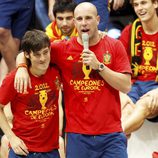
column 151, row 26
column 36, row 73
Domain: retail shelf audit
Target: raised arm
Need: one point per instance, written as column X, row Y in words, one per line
column 50, row 9
column 117, row 4
column 22, row 79
column 16, row 143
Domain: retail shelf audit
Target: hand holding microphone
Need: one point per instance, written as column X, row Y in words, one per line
column 85, row 41
column 88, row 57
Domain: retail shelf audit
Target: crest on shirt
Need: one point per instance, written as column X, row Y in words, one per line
column 107, row 58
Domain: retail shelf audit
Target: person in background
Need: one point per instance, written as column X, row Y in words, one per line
column 141, row 42
column 63, row 26
column 103, row 7
column 41, row 14
column 15, row 17
column 35, row 129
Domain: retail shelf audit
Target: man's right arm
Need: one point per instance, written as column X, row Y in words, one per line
column 16, row 143
column 22, row 79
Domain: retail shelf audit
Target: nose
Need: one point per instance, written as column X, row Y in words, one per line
column 42, row 57
column 84, row 22
column 64, row 22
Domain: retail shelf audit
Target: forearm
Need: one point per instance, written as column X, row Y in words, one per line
column 51, row 4
column 5, row 125
column 61, row 113
column 119, row 81
column 20, row 58
column 50, row 9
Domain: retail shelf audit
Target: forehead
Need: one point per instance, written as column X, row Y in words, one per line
column 138, row 1
column 84, row 13
column 65, row 14
column 85, row 9
column 42, row 50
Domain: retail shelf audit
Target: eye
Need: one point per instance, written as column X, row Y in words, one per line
column 60, row 18
column 45, row 52
column 143, row 2
column 79, row 18
column 88, row 17
column 135, row 4
column 69, row 18
column 37, row 54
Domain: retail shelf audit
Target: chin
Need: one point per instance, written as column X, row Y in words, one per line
column 44, row 67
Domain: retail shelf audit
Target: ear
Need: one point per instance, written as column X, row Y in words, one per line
column 98, row 19
column 155, row 4
column 26, row 55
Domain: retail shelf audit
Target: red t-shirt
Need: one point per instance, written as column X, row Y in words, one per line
column 36, row 118
column 92, row 106
column 147, row 69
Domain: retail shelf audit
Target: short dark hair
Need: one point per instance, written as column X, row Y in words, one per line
column 34, row 40
column 131, row 1
column 61, row 6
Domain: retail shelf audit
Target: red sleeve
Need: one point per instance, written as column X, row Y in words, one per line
column 125, row 37
column 7, row 91
column 122, row 63
column 56, row 49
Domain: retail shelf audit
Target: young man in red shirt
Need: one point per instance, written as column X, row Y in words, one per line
column 35, row 129
column 141, row 42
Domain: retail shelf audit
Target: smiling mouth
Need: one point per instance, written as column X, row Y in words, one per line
column 141, row 14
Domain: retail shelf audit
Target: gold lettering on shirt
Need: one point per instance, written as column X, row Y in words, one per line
column 87, row 85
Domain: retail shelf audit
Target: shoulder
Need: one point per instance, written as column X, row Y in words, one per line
column 127, row 28
column 63, row 43
column 111, row 41
column 126, row 32
column 114, row 46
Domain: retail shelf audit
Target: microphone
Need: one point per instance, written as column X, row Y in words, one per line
column 85, row 40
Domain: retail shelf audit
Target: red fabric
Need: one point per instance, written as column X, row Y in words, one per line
column 148, row 67
column 57, row 36
column 155, row 155
column 92, row 106
column 36, row 119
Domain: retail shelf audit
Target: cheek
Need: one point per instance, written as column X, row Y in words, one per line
column 135, row 10
column 71, row 22
column 59, row 24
